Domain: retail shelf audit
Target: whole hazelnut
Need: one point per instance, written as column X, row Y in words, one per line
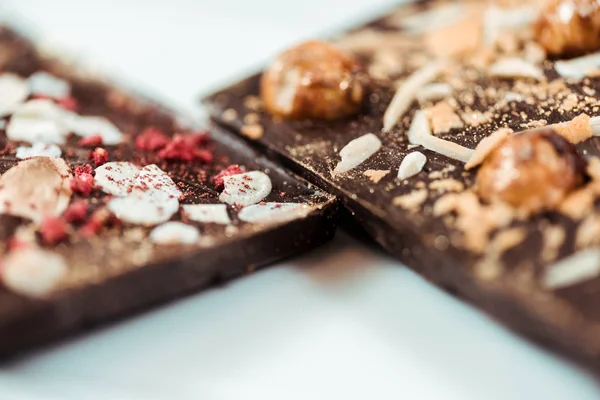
column 531, row 171
column 568, row 28
column 314, row 80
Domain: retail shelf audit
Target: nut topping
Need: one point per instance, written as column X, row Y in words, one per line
column 568, row 28
column 531, row 171
column 314, row 80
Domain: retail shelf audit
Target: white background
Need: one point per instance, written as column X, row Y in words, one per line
column 344, row 322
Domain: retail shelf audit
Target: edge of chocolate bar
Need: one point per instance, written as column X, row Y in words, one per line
column 27, row 322
column 38, row 322
column 426, row 260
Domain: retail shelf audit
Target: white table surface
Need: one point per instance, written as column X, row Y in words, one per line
column 344, row 322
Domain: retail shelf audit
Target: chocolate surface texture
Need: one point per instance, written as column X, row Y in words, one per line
column 512, row 222
column 110, row 204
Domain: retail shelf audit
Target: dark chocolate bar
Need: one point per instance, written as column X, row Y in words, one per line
column 392, row 119
column 111, row 205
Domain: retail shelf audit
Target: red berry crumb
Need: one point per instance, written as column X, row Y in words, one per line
column 15, row 243
column 97, row 220
column 77, row 212
column 190, row 147
column 91, row 141
column 68, row 103
column 218, row 180
column 84, row 169
column 82, row 184
column 53, row 230
column 99, row 156
column 151, row 139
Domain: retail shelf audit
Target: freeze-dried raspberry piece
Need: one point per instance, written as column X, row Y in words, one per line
column 217, row 180
column 53, row 230
column 151, row 139
column 190, row 147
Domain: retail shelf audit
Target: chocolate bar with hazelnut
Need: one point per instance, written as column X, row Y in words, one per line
column 464, row 142
column 111, row 203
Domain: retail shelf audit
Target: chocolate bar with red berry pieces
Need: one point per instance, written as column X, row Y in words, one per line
column 461, row 135
column 109, row 205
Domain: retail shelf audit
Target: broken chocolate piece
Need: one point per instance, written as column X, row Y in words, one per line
column 491, row 253
column 81, row 246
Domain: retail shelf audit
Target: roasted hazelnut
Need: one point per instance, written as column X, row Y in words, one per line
column 531, row 171
column 568, row 28
column 314, row 80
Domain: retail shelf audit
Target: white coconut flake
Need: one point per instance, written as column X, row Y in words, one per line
column 513, row 67
column 434, row 92
column 434, row 18
column 174, row 233
column 38, row 149
column 407, row 93
column 39, row 120
column 85, row 126
column 579, row 267
column 116, row 177
column 207, row 213
column 45, row 84
column 497, row 20
column 273, row 212
column 578, row 68
column 13, row 92
column 32, row 272
column 420, row 133
column 356, row 152
column 246, row 189
column 411, row 165
column 152, row 177
column 149, row 207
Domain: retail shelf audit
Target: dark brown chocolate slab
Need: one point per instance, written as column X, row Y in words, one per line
column 119, row 271
column 564, row 319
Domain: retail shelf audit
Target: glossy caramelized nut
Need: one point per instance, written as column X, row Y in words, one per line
column 531, row 171
column 568, row 28
column 314, row 80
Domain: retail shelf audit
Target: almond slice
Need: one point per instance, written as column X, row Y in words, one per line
column 512, row 67
column 85, row 126
column 407, row 93
column 411, row 165
column 434, row 18
column 420, row 133
column 434, row 92
column 32, row 271
column 577, row 268
column 116, row 177
column 356, row 152
column 152, row 177
column 148, row 207
column 497, row 20
column 174, row 233
column 39, row 120
column 45, row 84
column 208, row 213
column 38, row 149
column 486, row 146
column 13, row 92
column 578, row 68
column 246, row 189
column 273, row 212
